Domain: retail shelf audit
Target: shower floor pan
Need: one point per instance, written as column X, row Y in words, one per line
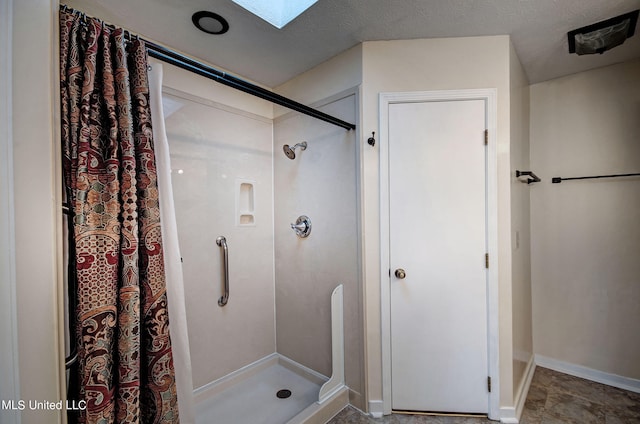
column 249, row 396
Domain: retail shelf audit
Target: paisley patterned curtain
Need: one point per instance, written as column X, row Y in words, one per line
column 125, row 366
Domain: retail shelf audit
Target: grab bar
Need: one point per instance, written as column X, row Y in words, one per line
column 222, row 242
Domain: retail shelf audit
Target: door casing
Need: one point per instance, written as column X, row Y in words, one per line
column 489, row 96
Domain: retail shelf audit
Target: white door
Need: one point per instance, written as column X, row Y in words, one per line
column 437, row 229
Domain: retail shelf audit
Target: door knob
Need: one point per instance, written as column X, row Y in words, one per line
column 400, row 273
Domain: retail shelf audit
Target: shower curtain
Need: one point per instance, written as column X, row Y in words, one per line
column 125, row 371
column 172, row 256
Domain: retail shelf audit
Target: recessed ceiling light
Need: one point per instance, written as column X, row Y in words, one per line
column 210, row 22
column 604, row 35
column 277, row 12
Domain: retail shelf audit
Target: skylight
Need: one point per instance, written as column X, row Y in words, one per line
column 277, row 12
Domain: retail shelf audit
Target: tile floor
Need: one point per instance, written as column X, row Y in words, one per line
column 553, row 398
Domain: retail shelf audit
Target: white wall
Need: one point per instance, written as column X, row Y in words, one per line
column 37, row 204
column 434, row 64
column 195, row 85
column 321, row 183
column 520, row 223
column 586, row 234
column 214, row 148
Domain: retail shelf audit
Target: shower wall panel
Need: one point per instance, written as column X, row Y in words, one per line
column 321, row 183
column 216, row 151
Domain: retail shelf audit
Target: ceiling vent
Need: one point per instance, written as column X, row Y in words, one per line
column 603, row 36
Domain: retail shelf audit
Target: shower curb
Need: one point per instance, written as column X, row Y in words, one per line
column 317, row 413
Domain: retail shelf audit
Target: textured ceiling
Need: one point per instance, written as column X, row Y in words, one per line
column 255, row 50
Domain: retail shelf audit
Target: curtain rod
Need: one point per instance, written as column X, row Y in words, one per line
column 174, row 58
column 184, row 62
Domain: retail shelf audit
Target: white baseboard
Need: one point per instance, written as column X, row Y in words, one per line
column 609, row 379
column 376, row 409
column 523, row 389
column 508, row 415
column 512, row 414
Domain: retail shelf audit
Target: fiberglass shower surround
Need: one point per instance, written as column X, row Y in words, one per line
column 232, row 185
column 226, row 162
column 233, row 158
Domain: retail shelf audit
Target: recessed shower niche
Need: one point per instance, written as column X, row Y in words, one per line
column 237, row 183
column 245, row 201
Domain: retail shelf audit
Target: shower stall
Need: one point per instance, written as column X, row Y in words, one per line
column 266, row 326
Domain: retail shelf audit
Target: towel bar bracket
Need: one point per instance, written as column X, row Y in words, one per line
column 533, row 178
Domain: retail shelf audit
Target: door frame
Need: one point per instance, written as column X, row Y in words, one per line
column 489, row 96
column 9, row 372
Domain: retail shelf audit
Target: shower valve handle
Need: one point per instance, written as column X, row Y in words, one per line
column 302, row 227
column 299, row 227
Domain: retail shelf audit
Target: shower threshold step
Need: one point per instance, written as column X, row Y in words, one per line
column 250, row 395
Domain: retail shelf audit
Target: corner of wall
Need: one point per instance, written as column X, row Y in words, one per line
column 36, row 205
column 585, row 234
column 335, row 75
column 9, row 365
column 521, row 331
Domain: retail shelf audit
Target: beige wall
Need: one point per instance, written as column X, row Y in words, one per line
column 434, row 64
column 479, row 62
column 37, row 204
column 419, row 65
column 340, row 73
column 586, row 234
column 520, row 223
column 10, row 387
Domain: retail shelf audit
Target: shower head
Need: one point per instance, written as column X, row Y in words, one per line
column 291, row 151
